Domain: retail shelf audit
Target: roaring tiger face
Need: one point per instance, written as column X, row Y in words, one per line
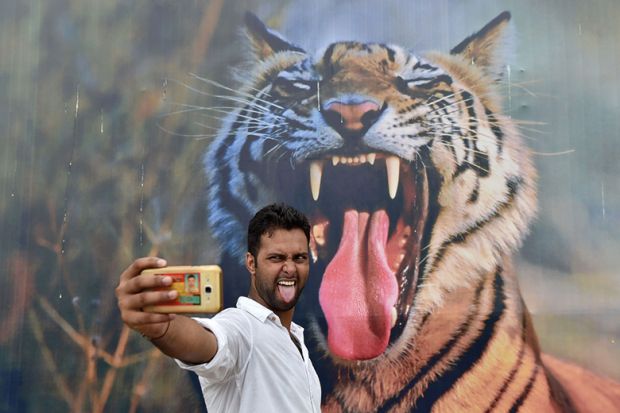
column 404, row 163
column 418, row 189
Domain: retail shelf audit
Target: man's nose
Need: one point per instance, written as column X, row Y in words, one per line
column 289, row 266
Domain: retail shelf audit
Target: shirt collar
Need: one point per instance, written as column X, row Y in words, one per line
column 256, row 309
column 262, row 313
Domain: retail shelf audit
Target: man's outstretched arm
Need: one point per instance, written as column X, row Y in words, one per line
column 175, row 335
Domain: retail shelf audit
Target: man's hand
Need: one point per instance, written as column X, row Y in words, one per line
column 175, row 335
column 133, row 294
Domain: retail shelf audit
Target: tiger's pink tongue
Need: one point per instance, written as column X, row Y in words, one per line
column 359, row 289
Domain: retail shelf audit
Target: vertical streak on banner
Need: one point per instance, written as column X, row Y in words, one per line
column 68, row 182
column 141, row 207
column 603, row 198
column 509, row 78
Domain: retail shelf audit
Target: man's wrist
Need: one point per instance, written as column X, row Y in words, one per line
column 152, row 339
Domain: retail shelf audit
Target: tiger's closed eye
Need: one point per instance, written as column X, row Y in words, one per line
column 294, row 87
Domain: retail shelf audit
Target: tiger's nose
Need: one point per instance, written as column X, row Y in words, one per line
column 351, row 118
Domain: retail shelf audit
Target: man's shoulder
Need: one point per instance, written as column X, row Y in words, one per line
column 228, row 322
column 224, row 318
column 230, row 312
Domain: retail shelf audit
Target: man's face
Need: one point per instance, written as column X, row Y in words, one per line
column 191, row 282
column 280, row 269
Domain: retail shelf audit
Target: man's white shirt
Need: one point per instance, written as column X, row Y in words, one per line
column 257, row 367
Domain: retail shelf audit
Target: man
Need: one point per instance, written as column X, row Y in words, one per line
column 191, row 286
column 248, row 358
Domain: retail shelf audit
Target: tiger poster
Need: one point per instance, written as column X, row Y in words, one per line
column 458, row 162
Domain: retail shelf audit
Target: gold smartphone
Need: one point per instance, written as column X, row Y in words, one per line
column 199, row 287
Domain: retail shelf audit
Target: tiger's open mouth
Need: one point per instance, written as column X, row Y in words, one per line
column 367, row 212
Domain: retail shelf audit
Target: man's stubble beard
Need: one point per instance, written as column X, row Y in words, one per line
column 267, row 291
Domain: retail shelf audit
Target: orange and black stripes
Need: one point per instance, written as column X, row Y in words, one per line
column 518, row 364
column 473, row 353
column 461, row 237
column 461, row 197
column 440, row 355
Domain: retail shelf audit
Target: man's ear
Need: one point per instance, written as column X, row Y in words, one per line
column 250, row 263
column 265, row 41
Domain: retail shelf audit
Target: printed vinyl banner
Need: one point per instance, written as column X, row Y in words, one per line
column 458, row 162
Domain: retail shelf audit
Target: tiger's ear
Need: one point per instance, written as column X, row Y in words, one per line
column 488, row 48
column 266, row 42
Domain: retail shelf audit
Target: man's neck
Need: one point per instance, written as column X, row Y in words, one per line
column 286, row 317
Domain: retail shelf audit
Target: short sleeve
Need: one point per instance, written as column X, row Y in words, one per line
column 234, row 343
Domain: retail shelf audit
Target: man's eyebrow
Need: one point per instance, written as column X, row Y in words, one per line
column 282, row 254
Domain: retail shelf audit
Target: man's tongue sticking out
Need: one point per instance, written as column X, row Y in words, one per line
column 286, row 292
column 359, row 289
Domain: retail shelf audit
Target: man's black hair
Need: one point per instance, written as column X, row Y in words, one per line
column 271, row 218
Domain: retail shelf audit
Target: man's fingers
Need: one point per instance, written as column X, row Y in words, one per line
column 139, row 301
column 141, row 264
column 135, row 291
column 144, row 282
column 137, row 318
column 128, row 284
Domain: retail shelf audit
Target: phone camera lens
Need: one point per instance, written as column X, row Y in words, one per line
column 208, row 289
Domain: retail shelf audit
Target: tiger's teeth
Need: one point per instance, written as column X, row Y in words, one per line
column 316, row 173
column 318, row 232
column 394, row 316
column 313, row 248
column 354, row 160
column 392, row 165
